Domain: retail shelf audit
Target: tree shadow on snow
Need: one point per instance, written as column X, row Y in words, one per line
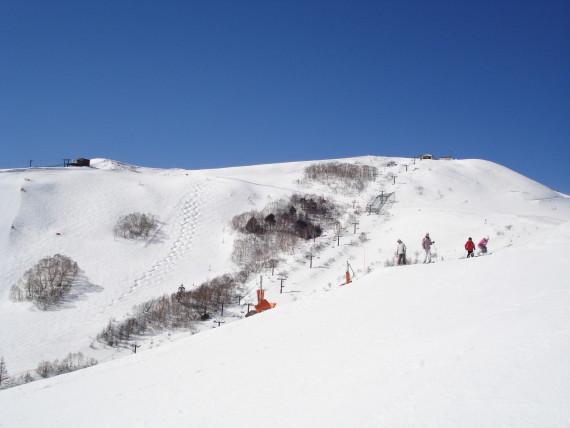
column 157, row 237
column 79, row 292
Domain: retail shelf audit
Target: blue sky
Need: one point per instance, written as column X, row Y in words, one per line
column 206, row 84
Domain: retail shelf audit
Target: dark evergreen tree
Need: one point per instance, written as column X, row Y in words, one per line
column 180, row 293
column 252, row 226
column 270, row 220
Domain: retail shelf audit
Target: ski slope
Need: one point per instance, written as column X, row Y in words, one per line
column 481, row 342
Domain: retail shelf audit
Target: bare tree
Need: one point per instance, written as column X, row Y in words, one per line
column 273, row 264
column 44, row 368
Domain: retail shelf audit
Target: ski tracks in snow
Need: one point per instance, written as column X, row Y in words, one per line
column 186, row 215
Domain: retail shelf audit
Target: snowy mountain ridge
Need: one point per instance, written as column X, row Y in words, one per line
column 487, row 335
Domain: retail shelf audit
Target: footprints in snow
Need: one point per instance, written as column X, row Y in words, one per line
column 186, row 214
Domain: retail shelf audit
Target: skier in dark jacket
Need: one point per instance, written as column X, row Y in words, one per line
column 470, row 247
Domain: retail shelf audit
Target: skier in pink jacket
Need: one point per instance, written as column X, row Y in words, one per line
column 483, row 246
column 426, row 245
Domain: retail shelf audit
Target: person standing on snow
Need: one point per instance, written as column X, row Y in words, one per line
column 426, row 245
column 483, row 246
column 470, row 247
column 401, row 253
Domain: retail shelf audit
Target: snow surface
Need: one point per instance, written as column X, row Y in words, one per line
column 478, row 343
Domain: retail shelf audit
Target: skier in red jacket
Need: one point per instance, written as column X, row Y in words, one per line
column 470, row 247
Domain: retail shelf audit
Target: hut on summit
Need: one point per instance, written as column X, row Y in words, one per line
column 80, row 162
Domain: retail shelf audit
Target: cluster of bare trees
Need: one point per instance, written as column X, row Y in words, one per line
column 210, row 295
column 277, row 228
column 255, row 252
column 74, row 361
column 135, row 226
column 47, row 283
column 342, row 176
column 180, row 310
column 7, row 381
column 162, row 313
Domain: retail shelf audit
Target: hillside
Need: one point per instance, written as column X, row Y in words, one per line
column 454, row 343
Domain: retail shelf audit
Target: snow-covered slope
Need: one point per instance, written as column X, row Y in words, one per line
column 458, row 343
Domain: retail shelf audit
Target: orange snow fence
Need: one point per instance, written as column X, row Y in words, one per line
column 263, row 304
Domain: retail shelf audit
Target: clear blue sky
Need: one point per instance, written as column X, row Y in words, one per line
column 204, row 84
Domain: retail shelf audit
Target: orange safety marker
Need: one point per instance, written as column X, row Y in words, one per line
column 348, row 277
column 262, row 303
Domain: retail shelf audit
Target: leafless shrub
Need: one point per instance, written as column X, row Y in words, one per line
column 135, row 226
column 47, row 283
column 416, row 257
column 74, row 361
column 44, row 368
column 26, row 378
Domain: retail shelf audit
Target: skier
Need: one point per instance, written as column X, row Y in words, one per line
column 483, row 246
column 426, row 245
column 401, row 253
column 470, row 247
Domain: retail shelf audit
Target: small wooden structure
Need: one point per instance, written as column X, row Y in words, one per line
column 427, row 156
